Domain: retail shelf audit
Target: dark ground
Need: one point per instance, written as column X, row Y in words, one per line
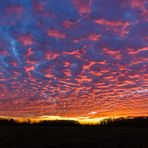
column 72, row 137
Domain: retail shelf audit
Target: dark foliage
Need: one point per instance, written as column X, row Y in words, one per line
column 126, row 122
column 5, row 121
column 62, row 123
column 119, row 122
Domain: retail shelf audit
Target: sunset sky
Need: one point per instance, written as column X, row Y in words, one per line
column 73, row 58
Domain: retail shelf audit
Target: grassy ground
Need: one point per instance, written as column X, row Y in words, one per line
column 72, row 137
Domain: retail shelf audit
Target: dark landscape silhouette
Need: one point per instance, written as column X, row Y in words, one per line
column 109, row 133
column 109, row 122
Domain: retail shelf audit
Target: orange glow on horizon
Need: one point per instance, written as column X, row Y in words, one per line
column 81, row 120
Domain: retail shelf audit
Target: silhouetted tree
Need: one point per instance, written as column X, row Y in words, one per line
column 126, row 122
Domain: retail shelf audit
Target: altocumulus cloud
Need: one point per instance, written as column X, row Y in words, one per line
column 73, row 58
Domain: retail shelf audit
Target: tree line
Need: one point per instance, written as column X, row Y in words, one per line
column 109, row 122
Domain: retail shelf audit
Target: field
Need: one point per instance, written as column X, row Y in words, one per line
column 72, row 137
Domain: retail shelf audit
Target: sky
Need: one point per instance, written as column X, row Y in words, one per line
column 73, row 58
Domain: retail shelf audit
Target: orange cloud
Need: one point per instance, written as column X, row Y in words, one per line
column 56, row 34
